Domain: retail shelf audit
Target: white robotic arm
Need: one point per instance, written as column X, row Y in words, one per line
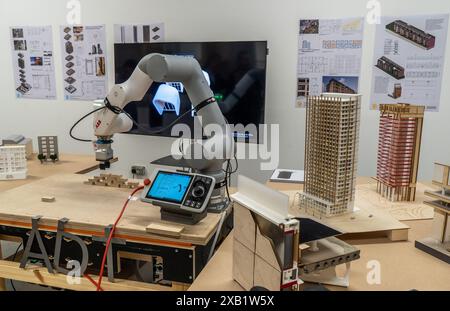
column 165, row 68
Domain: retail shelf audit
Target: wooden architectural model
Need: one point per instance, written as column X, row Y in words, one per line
column 438, row 244
column 274, row 250
column 331, row 152
column 13, row 162
column 109, row 180
column 48, row 148
column 19, row 140
column 398, row 150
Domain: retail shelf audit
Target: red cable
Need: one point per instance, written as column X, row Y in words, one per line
column 88, row 277
column 108, row 242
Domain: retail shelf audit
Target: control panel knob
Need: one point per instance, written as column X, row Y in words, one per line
column 199, row 190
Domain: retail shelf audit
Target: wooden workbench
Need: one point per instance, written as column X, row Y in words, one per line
column 89, row 210
column 68, row 163
column 403, row 267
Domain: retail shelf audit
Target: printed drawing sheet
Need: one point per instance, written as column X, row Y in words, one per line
column 33, row 62
column 84, row 62
column 409, row 60
column 329, row 56
column 148, row 33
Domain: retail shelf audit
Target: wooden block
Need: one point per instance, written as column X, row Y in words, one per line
column 266, row 276
column 48, row 199
column 398, row 235
column 243, row 265
column 244, row 227
column 171, row 230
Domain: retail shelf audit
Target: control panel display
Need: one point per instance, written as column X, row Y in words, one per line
column 169, row 186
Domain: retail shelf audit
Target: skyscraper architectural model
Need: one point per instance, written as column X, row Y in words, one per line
column 331, row 153
column 398, row 150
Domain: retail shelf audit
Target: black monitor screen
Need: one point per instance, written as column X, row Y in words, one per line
column 236, row 72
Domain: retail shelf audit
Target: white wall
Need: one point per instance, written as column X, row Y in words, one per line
column 207, row 20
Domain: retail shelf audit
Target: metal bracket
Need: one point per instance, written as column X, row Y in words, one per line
column 109, row 255
column 27, row 252
column 59, row 236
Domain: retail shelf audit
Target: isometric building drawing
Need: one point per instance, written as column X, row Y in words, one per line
column 331, row 153
column 391, row 68
column 303, row 87
column 398, row 150
column 412, row 34
column 397, row 92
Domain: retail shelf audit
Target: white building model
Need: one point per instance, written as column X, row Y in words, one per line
column 13, row 162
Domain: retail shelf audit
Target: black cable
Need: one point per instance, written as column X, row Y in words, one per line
column 14, row 258
column 118, row 110
column 78, row 122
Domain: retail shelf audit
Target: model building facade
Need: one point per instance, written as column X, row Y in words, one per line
column 48, row 148
column 13, row 162
column 412, row 34
column 331, row 152
column 398, row 150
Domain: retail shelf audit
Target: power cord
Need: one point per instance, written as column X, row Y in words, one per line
column 108, row 242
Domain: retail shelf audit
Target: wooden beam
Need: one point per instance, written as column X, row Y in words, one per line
column 40, row 275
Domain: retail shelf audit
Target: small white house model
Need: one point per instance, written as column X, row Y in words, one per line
column 13, row 162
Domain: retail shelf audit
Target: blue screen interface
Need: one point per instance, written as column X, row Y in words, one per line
column 169, row 187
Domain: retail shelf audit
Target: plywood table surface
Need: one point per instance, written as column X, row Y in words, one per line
column 68, row 163
column 367, row 196
column 92, row 208
column 402, row 266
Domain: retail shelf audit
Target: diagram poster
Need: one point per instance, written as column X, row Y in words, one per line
column 148, row 33
column 409, row 60
column 329, row 56
column 84, row 62
column 33, row 62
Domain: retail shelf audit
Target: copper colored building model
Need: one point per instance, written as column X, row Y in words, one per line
column 332, row 135
column 398, row 150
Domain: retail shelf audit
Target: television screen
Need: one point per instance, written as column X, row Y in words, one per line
column 236, row 72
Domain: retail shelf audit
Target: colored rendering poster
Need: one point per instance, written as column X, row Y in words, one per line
column 329, row 57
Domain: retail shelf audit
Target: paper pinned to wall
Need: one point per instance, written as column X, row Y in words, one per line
column 33, row 62
column 84, row 62
column 138, row 33
column 409, row 60
column 329, row 56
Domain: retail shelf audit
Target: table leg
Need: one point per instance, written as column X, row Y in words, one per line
column 2, row 280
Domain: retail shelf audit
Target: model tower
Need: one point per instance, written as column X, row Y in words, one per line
column 398, row 150
column 332, row 135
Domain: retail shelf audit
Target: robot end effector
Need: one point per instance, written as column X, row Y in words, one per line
column 159, row 68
